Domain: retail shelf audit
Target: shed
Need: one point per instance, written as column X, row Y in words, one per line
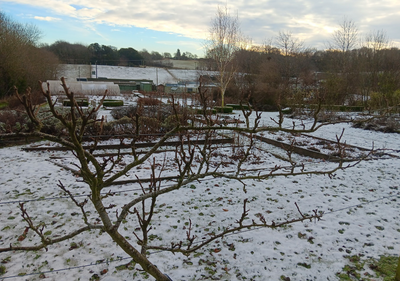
column 146, row 86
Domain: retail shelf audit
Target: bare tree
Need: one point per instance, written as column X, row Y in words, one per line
column 194, row 157
column 376, row 40
column 224, row 41
column 345, row 38
column 288, row 44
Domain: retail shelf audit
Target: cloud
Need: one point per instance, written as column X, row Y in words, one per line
column 46, row 18
column 311, row 21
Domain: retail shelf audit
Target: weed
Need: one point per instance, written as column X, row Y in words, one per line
column 2, row 269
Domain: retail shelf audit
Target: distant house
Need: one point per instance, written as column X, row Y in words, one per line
column 161, row 88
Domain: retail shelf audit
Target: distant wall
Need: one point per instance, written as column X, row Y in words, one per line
column 182, row 64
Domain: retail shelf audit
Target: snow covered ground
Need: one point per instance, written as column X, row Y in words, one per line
column 157, row 74
column 360, row 204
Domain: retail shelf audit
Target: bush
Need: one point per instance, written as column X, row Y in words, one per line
column 126, row 111
column 148, row 101
column 171, row 121
column 380, row 100
column 3, row 104
column 12, row 121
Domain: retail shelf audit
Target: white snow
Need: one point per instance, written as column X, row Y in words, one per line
column 159, row 75
column 360, row 204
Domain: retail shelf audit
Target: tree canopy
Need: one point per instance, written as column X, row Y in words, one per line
column 22, row 62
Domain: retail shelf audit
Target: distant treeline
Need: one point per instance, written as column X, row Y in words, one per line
column 110, row 55
column 277, row 74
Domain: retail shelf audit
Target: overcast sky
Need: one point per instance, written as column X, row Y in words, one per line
column 166, row 25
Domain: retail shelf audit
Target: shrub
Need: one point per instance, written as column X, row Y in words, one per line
column 128, row 111
column 3, row 104
column 173, row 120
column 380, row 100
column 13, row 121
column 149, row 125
column 148, row 101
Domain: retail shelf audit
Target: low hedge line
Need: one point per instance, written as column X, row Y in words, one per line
column 225, row 109
column 208, row 111
column 113, row 103
column 238, row 106
column 343, row 108
column 81, row 102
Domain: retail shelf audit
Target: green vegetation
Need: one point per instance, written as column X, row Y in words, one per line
column 3, row 104
column 238, row 106
column 2, row 269
column 208, row 111
column 225, row 109
column 81, row 102
column 113, row 103
column 384, row 268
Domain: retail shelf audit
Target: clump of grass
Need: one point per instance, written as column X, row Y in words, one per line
column 2, row 269
column 384, row 268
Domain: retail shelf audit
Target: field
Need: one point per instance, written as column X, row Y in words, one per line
column 157, row 74
column 360, row 206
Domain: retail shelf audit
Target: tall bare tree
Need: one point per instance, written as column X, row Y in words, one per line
column 225, row 39
column 288, row 44
column 376, row 40
column 345, row 38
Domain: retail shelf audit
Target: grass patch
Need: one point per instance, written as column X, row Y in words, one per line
column 3, row 104
column 383, row 269
column 2, row 269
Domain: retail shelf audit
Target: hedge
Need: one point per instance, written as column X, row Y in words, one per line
column 81, row 102
column 238, row 106
column 208, row 111
column 343, row 108
column 225, row 109
column 112, row 103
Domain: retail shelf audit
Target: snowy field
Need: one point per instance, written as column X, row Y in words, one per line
column 157, row 74
column 361, row 217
